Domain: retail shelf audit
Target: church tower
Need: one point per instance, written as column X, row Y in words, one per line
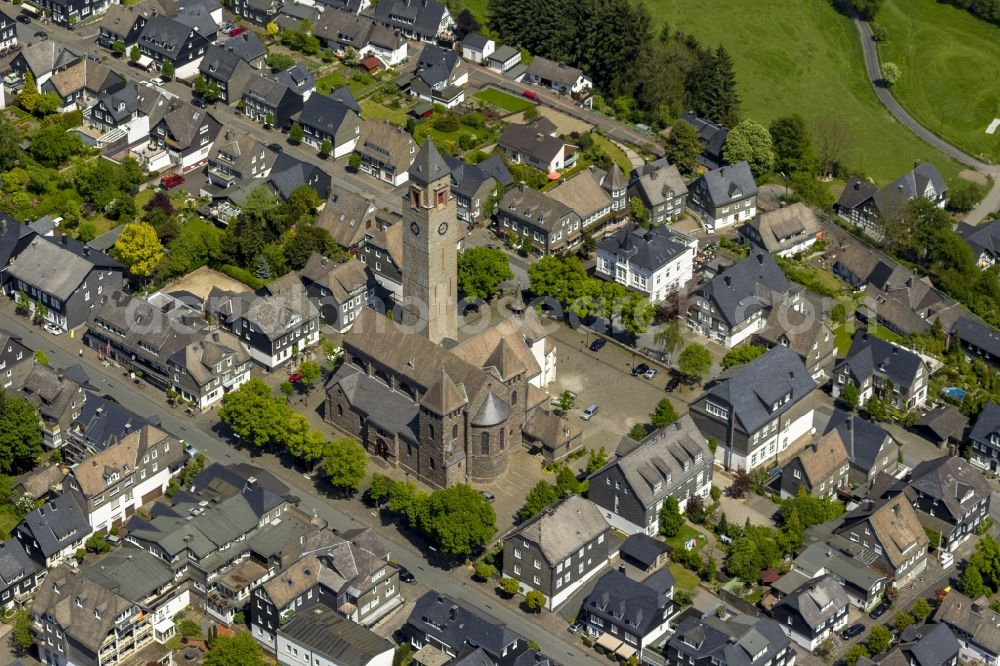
column 430, row 261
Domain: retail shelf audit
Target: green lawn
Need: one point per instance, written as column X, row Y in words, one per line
column 842, row 338
column 448, row 142
column 479, row 9
column 505, row 101
column 801, row 56
column 683, row 579
column 329, row 82
column 372, row 110
column 612, row 150
column 949, row 80
column 685, row 534
column 8, row 520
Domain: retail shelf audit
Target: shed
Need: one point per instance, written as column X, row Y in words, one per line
column 943, row 425
column 644, row 552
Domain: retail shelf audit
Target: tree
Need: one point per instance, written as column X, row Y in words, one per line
column 531, row 114
column 238, row 650
column 565, row 401
column 742, row 354
column 792, row 144
column 671, row 519
column 902, row 620
column 279, row 62
column 272, row 29
column 539, row 497
column 877, row 409
column 28, row 97
column 879, row 639
column 344, row 463
column 261, row 268
column 669, row 338
column 751, row 142
column 695, row 510
column 834, row 138
column 849, row 397
column 96, row 543
column 890, row 73
column 325, row 148
column 465, row 24
column 354, row 163
column 933, row 538
column 855, row 653
column 636, row 313
column 118, row 48
column 52, row 145
column 694, row 362
column 683, row 147
column 866, row 9
column 309, row 372
column 458, row 520
column 663, row 415
column 21, row 636
column 921, row 609
column 10, row 149
column 712, row 88
column 20, row 434
column 637, row 211
column 740, row 487
column 596, row 460
column 566, row 482
column 139, row 248
column 255, row 414
column 637, row 432
column 167, row 70
column 296, row 133
column 134, row 54
column 588, row 244
column 209, row 91
column 810, row 510
column 971, row 584
column 40, row 357
column 534, row 600
column 484, row 571
column 480, row 272
column 509, row 586
column 351, row 57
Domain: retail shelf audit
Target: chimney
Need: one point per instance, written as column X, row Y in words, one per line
column 760, row 258
column 65, row 239
column 621, row 568
column 728, row 280
column 86, row 250
column 453, row 612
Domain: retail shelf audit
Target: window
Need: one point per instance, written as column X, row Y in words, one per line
column 485, row 446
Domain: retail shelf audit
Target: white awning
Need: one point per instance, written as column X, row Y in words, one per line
column 144, row 61
column 608, row 642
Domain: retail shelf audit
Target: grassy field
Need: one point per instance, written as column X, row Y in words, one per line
column 477, row 7
column 612, row 150
column 948, row 60
column 802, row 56
column 505, row 101
column 372, row 110
column 683, row 579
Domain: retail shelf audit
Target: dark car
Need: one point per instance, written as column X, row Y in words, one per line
column 672, row 384
column 24, row 18
column 639, row 369
column 852, row 631
column 199, row 102
column 41, row 34
column 880, row 609
column 597, row 344
column 405, row 575
column 276, row 147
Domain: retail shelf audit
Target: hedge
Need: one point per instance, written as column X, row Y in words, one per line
column 243, row 275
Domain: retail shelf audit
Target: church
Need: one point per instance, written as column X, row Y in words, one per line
column 445, row 411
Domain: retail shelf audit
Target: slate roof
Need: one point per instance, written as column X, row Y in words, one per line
column 562, row 529
column 584, row 192
column 980, row 625
column 732, row 642
column 713, row 138
column 958, row 485
column 85, row 610
column 345, row 215
column 746, row 287
column 326, row 114
column 435, row 65
column 123, row 458
column 223, row 481
column 392, row 411
column 199, row 358
column 873, row 268
column 467, row 179
column 387, row 143
column 14, row 563
column 13, row 237
column 987, row 424
column 266, row 89
column 341, row 279
column 353, row 6
column 289, row 173
column 974, row 332
column 50, row 391
column 523, row 202
column 246, row 45
column 862, row 439
column 104, row 422
column 801, row 330
column 428, row 166
column 729, row 183
column 944, row 421
column 756, row 386
column 85, row 75
column 816, row 601
column 223, row 64
column 556, row 72
column 119, row 19
column 643, row 549
column 856, row 193
column 452, row 623
column 421, row 16
column 659, row 183
column 131, row 573
column 339, row 640
column 936, row 646
column 58, row 523
column 165, row 36
column 58, row 266
column 651, row 249
column 184, row 122
column 298, row 78
column 47, row 56
column 892, row 198
column 475, row 41
column 869, row 355
column 534, row 139
column 625, row 601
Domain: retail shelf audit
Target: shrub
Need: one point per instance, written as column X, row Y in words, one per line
column 243, row 275
column 484, row 571
column 509, row 586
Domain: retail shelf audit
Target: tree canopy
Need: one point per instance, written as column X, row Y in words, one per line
column 683, row 147
column 20, row 434
column 663, row 415
column 139, row 248
column 344, row 463
column 239, row 650
column 480, row 272
column 742, row 354
column 749, row 141
column 458, row 519
column 792, row 145
column 694, row 362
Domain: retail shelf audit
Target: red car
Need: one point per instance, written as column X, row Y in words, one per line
column 294, row 378
column 171, row 180
column 531, row 94
column 238, row 30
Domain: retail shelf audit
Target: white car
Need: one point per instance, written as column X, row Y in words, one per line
column 53, row 329
column 156, row 81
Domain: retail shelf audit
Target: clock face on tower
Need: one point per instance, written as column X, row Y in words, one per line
column 443, row 228
column 415, row 228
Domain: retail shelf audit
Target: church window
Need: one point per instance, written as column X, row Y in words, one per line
column 486, row 443
column 442, row 197
column 503, row 433
column 432, row 462
column 513, row 398
column 340, row 410
column 454, row 431
column 430, row 427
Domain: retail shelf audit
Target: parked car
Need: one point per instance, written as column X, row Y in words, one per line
column 639, row 369
column 53, row 329
column 199, row 102
column 576, row 626
column 171, row 180
column 236, row 31
column 852, row 631
column 880, row 610
column 652, row 372
column 405, row 575
column 673, row 384
column 490, row 497
column 589, row 412
column 531, row 94
column 24, row 18
column 41, row 34
column 597, row 344
column 276, row 147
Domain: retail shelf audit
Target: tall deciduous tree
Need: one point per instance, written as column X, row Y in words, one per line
column 663, row 415
column 751, row 142
column 539, row 497
column 254, row 413
column 683, row 147
column 10, row 149
column 345, row 463
column 238, row 650
column 458, row 519
column 139, row 248
column 792, row 144
column 669, row 338
column 480, row 272
column 20, row 434
column 694, row 362
column 834, row 138
column 742, row 354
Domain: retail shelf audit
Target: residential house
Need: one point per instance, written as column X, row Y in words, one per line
column 984, row 438
column 290, row 173
column 859, row 265
column 557, row 551
column 386, row 151
column 122, row 23
column 258, row 12
column 247, row 45
column 554, row 435
column 52, row 533
column 383, row 255
column 883, row 370
column 870, row 449
column 186, row 134
column 812, row 613
column 626, row 616
column 204, row 16
column 225, row 70
column 644, row 552
column 506, row 60
column 804, row 333
column 944, row 426
column 928, row 645
column 208, row 368
column 863, row 205
column 740, row 640
column 238, row 158
column 14, row 237
column 978, row 340
column 477, row 48
column 475, row 185
column 655, row 262
column 323, row 118
column 298, row 78
column 975, row 625
column 984, row 240
column 785, row 231
column 536, row 144
column 888, row 534
column 164, row 39
column 352, row 6
column 340, row 290
column 19, row 576
column 593, row 194
column 864, row 585
column 820, row 470
column 758, row 411
column 713, row 140
column 15, row 360
column 951, row 496
column 349, row 218
column 43, row 59
column 266, row 99
column 551, row 225
column 128, row 115
column 8, row 33
column 80, row 85
column 911, row 308
column 737, row 302
column 58, row 400
column 669, row 462
column 661, row 189
column 117, row 481
column 349, row 574
column 557, row 77
column 67, row 13
column 423, row 20
column 725, row 196
column 321, row 636
column 271, row 325
column 102, row 423
column 292, row 14
column 440, row 77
